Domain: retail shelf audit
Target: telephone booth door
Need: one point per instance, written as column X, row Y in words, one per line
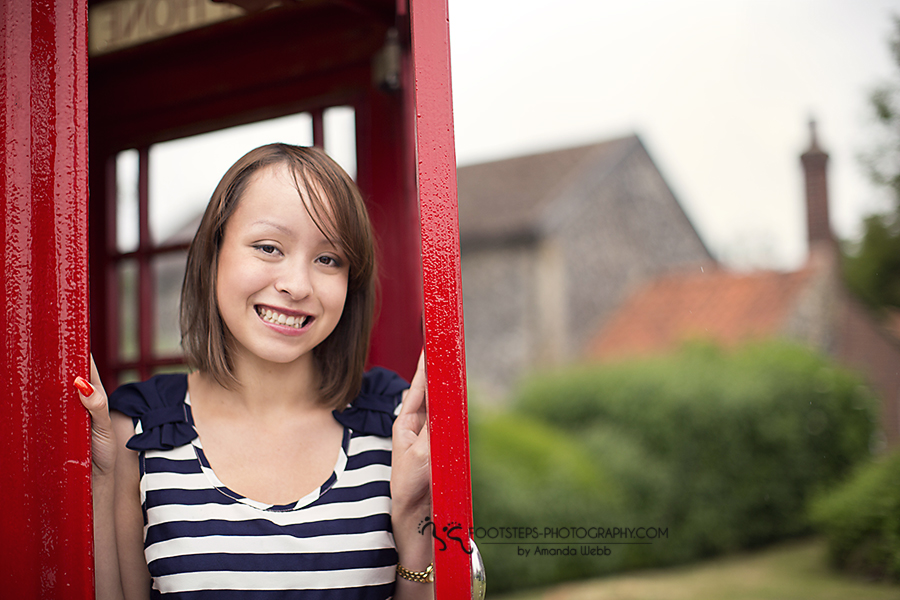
column 164, row 70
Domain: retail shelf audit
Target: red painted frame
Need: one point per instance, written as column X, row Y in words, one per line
column 46, row 528
column 444, row 335
column 44, row 432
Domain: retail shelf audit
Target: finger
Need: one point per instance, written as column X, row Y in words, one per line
column 85, row 388
column 420, row 452
column 93, row 397
column 94, row 402
column 422, row 441
column 413, row 446
column 414, row 397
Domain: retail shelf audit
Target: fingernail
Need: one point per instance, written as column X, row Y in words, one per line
column 84, row 387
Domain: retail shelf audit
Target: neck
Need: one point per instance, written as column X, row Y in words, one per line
column 266, row 388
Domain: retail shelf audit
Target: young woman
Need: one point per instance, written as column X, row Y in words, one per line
column 276, row 468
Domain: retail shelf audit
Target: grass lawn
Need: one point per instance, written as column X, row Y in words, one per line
column 791, row 571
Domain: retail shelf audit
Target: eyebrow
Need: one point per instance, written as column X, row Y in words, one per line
column 274, row 225
column 289, row 231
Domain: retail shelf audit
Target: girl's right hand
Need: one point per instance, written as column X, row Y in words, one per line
column 103, row 438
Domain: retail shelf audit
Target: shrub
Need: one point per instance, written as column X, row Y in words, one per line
column 528, row 474
column 723, row 449
column 861, row 519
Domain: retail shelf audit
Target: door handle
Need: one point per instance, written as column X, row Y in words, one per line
column 478, row 581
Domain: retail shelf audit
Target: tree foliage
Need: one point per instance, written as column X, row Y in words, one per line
column 872, row 272
column 872, row 267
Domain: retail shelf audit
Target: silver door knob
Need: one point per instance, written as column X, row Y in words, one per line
column 478, row 583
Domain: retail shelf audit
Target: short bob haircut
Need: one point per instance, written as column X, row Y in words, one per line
column 335, row 205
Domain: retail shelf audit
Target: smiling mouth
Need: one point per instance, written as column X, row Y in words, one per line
column 276, row 318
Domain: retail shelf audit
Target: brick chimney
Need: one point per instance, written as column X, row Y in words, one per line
column 815, row 162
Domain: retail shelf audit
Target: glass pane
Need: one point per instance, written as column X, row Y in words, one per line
column 127, row 271
column 171, row 369
column 129, row 376
column 184, row 172
column 168, row 273
column 340, row 136
column 127, row 226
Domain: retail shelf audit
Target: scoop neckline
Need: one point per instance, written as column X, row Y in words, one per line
column 303, row 502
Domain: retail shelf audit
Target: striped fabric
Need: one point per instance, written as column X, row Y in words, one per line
column 203, row 541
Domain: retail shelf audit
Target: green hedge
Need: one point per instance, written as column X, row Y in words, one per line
column 527, row 474
column 861, row 519
column 724, row 449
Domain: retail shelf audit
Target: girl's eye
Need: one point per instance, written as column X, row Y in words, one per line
column 267, row 249
column 329, row 261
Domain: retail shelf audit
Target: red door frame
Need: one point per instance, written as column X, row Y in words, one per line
column 46, row 528
column 444, row 335
column 44, row 434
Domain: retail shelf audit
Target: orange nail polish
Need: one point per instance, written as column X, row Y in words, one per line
column 84, row 387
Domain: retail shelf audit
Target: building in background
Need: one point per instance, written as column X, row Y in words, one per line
column 551, row 244
column 810, row 306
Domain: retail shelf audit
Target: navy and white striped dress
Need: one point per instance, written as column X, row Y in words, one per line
column 203, row 541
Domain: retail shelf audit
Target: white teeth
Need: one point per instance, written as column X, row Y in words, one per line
column 270, row 316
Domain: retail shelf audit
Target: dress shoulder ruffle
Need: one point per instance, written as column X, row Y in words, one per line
column 160, row 418
column 373, row 411
column 157, row 408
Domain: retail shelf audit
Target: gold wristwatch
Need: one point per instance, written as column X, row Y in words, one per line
column 426, row 576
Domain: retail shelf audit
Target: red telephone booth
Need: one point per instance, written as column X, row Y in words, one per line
column 161, row 70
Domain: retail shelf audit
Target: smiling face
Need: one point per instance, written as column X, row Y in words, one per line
column 281, row 284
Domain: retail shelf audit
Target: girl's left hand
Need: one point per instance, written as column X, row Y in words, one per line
column 411, row 488
column 411, row 453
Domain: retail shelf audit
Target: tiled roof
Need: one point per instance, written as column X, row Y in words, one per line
column 507, row 197
column 718, row 305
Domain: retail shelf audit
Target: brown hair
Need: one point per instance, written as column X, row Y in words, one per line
column 335, row 205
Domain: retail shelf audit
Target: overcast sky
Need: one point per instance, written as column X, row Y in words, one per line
column 719, row 91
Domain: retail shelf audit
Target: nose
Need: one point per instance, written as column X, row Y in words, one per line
column 294, row 280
